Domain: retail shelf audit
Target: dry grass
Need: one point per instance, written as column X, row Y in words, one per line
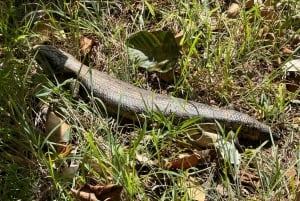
column 227, row 62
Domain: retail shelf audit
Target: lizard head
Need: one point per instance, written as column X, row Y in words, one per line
column 50, row 58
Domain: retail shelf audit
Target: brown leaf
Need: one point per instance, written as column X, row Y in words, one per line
column 233, row 10
column 179, row 36
column 107, row 192
column 250, row 3
column 264, row 31
column 195, row 192
column 47, row 32
column 85, row 45
column 110, row 192
column 145, row 160
column 292, row 177
column 206, row 156
column 65, row 151
column 291, row 173
column 249, row 179
column 287, row 51
column 83, row 196
column 61, row 129
column 269, row 14
column 191, row 160
column 296, row 40
column 222, row 190
column 298, row 194
column 184, row 162
column 206, row 139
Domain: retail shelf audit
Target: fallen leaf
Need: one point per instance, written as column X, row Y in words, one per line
column 250, row 3
column 85, row 45
column 83, row 196
column 207, row 139
column 145, row 160
column 107, row 192
column 71, row 169
column 287, row 51
column 296, row 120
column 269, row 14
column 57, row 128
column 207, row 155
column 222, row 190
column 47, row 32
column 292, row 74
column 248, row 178
column 233, row 10
column 65, row 151
column 291, row 173
column 179, row 36
column 292, row 176
column 186, row 161
column 293, row 65
column 196, row 192
column 296, row 40
column 298, row 194
column 110, row 192
column 228, row 151
column 269, row 2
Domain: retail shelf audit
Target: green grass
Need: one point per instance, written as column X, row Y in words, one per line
column 234, row 64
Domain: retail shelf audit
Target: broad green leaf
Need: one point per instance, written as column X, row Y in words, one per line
column 155, row 51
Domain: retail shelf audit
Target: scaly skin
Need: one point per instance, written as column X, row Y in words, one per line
column 133, row 101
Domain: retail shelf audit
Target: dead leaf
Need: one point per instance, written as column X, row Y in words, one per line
column 179, row 36
column 292, row 74
column 196, row 192
column 60, row 131
column 287, row 51
column 71, row 169
column 107, row 192
column 264, row 31
column 228, row 151
column 296, row 120
column 186, row 161
column 47, row 32
column 83, row 196
column 233, row 10
column 298, row 194
column 206, row 156
column 247, row 177
column 291, row 173
column 207, row 139
column 293, row 65
column 222, row 190
column 296, row 40
column 145, row 160
column 269, row 14
column 292, row 176
column 65, row 151
column 85, row 45
column 269, row 2
column 250, row 3
column 200, row 137
column 110, row 192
